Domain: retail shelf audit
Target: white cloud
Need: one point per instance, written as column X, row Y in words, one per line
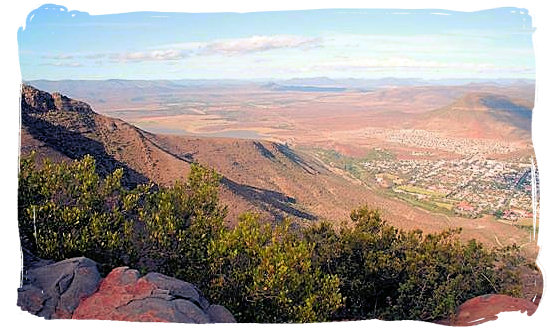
column 155, row 55
column 63, row 64
column 227, row 47
column 59, row 56
column 258, row 43
column 95, row 56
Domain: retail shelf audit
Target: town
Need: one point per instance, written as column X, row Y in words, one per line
column 470, row 187
column 433, row 140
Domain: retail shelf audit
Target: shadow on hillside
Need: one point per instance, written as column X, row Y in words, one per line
column 295, row 158
column 506, row 111
column 275, row 203
column 75, row 146
column 263, row 151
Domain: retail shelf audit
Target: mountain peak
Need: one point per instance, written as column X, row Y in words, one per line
column 471, row 102
column 37, row 101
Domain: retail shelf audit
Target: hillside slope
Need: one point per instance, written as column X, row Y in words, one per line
column 70, row 129
column 260, row 176
column 277, row 178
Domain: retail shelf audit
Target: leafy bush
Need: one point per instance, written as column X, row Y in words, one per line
column 179, row 223
column 391, row 274
column 261, row 272
column 265, row 274
column 66, row 210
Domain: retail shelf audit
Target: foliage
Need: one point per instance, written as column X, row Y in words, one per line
column 265, row 274
column 262, row 272
column 390, row 274
column 66, row 210
column 179, row 222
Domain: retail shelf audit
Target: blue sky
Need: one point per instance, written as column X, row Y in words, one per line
column 341, row 43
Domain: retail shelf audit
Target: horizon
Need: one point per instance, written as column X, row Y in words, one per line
column 494, row 44
column 530, row 80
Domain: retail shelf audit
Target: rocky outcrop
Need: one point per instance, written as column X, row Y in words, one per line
column 37, row 101
column 123, row 295
column 486, row 308
column 74, row 289
column 54, row 290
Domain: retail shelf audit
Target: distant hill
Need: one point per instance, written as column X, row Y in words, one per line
column 277, row 87
column 480, row 115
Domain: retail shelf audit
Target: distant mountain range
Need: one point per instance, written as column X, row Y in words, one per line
column 325, row 82
column 305, row 88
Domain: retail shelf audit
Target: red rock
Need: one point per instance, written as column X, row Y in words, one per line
column 124, row 296
column 485, row 308
column 119, row 288
column 73, row 289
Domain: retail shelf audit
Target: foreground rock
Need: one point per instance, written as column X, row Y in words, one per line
column 54, row 290
column 485, row 308
column 73, row 289
column 123, row 295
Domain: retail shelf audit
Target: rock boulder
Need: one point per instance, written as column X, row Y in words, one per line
column 56, row 289
column 123, row 295
column 74, row 289
column 485, row 308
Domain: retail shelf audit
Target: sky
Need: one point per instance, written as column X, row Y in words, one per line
column 57, row 43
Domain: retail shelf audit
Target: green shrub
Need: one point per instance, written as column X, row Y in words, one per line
column 265, row 274
column 261, row 272
column 179, row 223
column 390, row 274
column 66, row 210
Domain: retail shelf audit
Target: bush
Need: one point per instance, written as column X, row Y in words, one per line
column 179, row 223
column 261, row 272
column 390, row 274
column 66, row 210
column 265, row 274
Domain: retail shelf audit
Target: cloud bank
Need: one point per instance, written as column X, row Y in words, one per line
column 223, row 47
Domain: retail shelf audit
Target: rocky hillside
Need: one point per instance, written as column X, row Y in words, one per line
column 74, row 289
column 262, row 176
column 55, row 125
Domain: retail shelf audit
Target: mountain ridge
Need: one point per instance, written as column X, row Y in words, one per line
column 66, row 129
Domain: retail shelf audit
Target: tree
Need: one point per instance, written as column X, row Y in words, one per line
column 392, row 274
column 179, row 223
